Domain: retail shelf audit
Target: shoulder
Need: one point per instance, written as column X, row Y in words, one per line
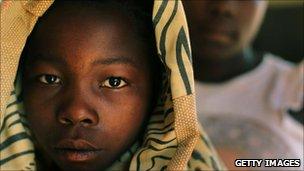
column 277, row 62
column 287, row 90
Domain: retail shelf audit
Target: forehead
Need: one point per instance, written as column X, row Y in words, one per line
column 66, row 19
column 74, row 32
column 234, row 5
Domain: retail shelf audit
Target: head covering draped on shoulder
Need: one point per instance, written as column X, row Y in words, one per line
column 173, row 139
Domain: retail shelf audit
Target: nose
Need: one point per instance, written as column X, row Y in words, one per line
column 226, row 8
column 76, row 111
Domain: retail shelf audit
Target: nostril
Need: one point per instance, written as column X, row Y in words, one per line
column 87, row 122
column 66, row 121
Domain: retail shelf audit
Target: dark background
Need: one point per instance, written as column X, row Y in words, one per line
column 282, row 32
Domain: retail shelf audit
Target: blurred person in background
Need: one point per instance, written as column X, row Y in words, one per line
column 243, row 96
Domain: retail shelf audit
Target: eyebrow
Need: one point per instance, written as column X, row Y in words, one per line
column 47, row 58
column 115, row 60
column 107, row 61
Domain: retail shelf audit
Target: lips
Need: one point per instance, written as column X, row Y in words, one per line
column 76, row 150
column 218, row 30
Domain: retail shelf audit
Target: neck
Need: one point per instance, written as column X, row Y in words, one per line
column 221, row 70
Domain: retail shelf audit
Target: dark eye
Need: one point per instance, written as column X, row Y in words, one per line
column 113, row 82
column 49, row 79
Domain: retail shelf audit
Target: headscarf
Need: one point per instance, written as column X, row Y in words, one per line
column 173, row 139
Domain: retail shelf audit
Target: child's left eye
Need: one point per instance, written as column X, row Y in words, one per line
column 114, row 83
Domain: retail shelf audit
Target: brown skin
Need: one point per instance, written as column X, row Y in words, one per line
column 82, row 50
column 220, row 31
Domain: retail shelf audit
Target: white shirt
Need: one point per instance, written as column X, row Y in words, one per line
column 249, row 112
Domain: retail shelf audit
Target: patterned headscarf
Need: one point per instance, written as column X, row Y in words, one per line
column 173, row 139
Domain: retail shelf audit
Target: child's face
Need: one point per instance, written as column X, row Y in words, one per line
column 221, row 29
column 87, row 88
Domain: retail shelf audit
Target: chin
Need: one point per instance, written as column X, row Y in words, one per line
column 80, row 167
column 215, row 51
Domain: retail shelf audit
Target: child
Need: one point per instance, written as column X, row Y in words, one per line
column 243, row 95
column 91, row 85
column 90, row 92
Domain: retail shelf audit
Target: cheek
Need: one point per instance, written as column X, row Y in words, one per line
column 124, row 117
column 126, row 114
column 250, row 19
column 39, row 114
column 195, row 10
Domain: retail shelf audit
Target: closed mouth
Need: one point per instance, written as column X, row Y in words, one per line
column 76, row 150
column 218, row 36
column 219, row 30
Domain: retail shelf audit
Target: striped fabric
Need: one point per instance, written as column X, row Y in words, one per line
column 173, row 139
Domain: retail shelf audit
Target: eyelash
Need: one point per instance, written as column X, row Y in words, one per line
column 49, row 79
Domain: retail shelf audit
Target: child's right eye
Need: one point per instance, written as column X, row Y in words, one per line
column 114, row 83
column 49, row 79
